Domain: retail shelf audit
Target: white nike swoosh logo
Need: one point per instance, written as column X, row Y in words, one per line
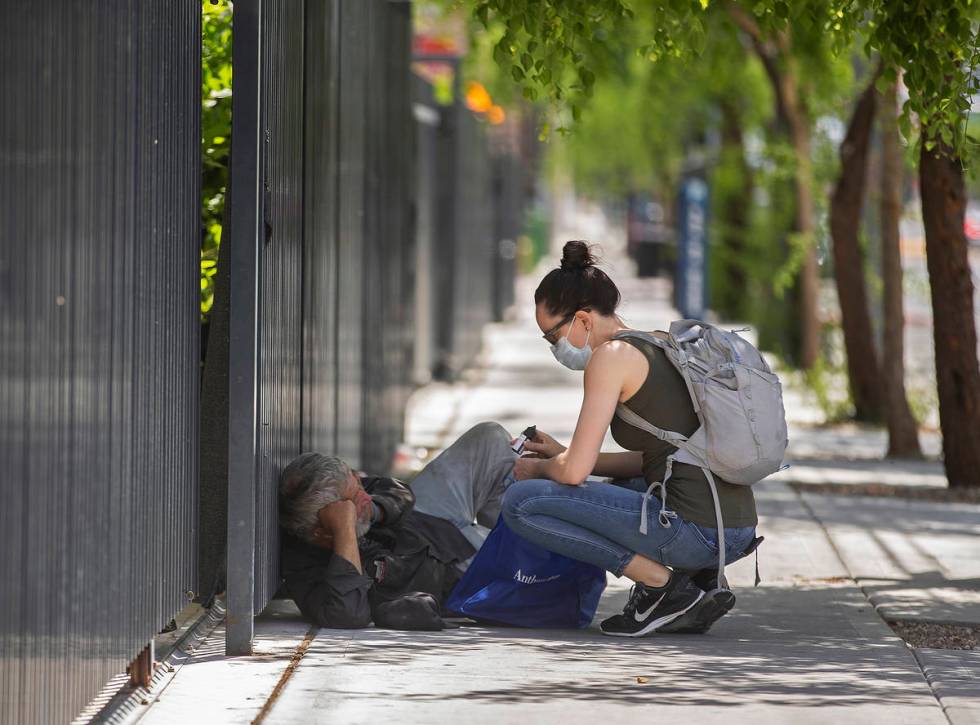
column 640, row 616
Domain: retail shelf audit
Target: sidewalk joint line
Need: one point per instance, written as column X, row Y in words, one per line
column 915, row 657
column 284, row 678
column 929, row 680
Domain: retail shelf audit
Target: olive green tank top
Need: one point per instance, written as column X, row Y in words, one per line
column 663, row 400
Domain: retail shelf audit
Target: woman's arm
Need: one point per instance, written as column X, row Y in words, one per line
column 603, row 386
column 619, row 465
column 615, row 465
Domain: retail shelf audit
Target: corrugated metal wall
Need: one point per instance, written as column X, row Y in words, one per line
column 320, row 215
column 465, row 243
column 281, row 275
column 425, row 260
column 100, row 234
column 471, row 187
column 334, row 311
column 388, row 291
column 99, row 397
column 351, row 53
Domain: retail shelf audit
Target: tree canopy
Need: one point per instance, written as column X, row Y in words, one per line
column 556, row 49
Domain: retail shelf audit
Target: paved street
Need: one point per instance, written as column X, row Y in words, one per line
column 806, row 646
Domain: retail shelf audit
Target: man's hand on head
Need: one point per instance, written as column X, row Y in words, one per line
column 338, row 517
column 338, row 531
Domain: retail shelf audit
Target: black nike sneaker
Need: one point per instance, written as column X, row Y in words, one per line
column 715, row 604
column 706, row 579
column 650, row 608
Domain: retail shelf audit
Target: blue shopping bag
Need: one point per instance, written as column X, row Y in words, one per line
column 512, row 581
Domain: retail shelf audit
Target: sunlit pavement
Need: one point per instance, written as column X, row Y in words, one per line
column 806, row 646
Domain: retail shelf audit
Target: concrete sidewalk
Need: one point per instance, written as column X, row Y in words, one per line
column 916, row 560
column 806, row 646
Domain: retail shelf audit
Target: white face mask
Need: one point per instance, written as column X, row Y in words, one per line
column 573, row 358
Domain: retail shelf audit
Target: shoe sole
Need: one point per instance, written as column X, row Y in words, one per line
column 716, row 604
column 659, row 622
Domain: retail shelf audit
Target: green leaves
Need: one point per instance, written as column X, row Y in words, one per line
column 886, row 79
column 560, row 49
column 501, row 53
column 482, row 13
column 215, row 136
column 556, row 49
column 939, row 48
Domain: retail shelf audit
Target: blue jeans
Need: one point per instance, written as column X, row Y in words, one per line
column 599, row 523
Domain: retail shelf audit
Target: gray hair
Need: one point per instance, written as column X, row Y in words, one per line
column 310, row 482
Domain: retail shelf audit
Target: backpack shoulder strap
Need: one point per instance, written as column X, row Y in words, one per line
column 676, row 356
column 645, row 336
column 678, row 440
column 633, row 418
column 637, row 421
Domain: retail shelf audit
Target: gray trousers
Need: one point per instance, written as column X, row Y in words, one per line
column 466, row 482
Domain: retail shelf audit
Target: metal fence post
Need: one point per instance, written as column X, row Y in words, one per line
column 246, row 207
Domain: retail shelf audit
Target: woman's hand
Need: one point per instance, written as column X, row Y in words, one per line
column 527, row 467
column 543, row 446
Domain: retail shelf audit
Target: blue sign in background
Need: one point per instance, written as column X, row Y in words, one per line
column 691, row 296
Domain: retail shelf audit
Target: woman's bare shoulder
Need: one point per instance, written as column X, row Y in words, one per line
column 618, row 353
column 615, row 349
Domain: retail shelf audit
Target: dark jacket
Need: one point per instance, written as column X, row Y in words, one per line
column 407, row 551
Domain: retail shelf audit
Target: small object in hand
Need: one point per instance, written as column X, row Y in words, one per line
column 527, row 435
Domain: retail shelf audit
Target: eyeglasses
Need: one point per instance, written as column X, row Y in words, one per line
column 549, row 336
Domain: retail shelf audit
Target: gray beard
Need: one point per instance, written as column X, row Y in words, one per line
column 361, row 528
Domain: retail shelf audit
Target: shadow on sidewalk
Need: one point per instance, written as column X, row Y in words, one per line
column 806, row 646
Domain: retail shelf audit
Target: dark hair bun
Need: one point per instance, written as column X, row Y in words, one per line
column 578, row 284
column 576, row 256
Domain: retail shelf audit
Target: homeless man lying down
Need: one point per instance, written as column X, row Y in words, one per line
column 361, row 549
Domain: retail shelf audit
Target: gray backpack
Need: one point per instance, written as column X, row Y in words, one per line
column 739, row 403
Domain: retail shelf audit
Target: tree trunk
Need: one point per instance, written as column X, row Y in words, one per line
column 734, row 213
column 903, row 434
column 799, row 131
column 845, row 221
column 954, row 329
column 775, row 53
